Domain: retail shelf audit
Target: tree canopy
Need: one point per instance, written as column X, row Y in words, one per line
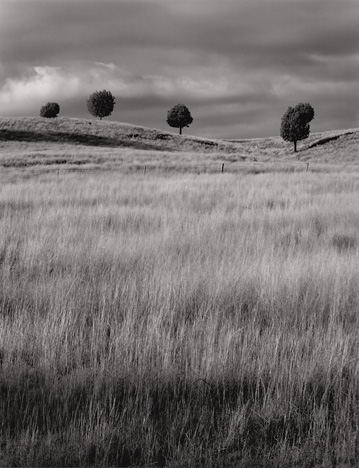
column 179, row 116
column 50, row 110
column 295, row 123
column 101, row 104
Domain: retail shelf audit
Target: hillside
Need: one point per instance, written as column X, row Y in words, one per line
column 334, row 146
column 104, row 134
column 34, row 141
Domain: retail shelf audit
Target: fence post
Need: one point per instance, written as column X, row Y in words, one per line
column 307, row 166
column 144, row 170
column 222, row 168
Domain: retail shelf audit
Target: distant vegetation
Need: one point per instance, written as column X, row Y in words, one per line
column 101, row 104
column 50, row 110
column 295, row 123
column 179, row 116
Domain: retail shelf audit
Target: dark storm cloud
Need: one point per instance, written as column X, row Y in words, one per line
column 236, row 61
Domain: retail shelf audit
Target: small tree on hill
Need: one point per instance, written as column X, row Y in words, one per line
column 50, row 110
column 295, row 123
column 179, row 116
column 101, row 103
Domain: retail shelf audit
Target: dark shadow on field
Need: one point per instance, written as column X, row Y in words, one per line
column 74, row 138
column 177, row 415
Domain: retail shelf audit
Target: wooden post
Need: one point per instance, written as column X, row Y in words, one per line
column 307, row 166
column 144, row 171
column 222, row 168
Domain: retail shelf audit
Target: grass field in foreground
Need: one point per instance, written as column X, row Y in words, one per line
column 184, row 320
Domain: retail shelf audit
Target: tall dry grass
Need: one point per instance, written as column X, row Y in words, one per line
column 182, row 320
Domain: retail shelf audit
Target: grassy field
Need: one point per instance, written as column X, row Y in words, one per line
column 178, row 319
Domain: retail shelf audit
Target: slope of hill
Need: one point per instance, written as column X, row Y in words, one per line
column 103, row 133
column 331, row 146
column 34, row 141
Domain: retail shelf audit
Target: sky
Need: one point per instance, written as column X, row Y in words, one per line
column 236, row 64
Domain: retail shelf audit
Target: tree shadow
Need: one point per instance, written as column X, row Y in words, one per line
column 325, row 140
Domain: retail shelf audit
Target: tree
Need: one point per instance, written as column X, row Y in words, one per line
column 50, row 110
column 179, row 116
column 101, row 103
column 295, row 123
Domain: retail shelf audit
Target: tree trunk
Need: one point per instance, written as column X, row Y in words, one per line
column 295, row 146
column 180, row 130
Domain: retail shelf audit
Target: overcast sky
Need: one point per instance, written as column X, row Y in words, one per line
column 236, row 64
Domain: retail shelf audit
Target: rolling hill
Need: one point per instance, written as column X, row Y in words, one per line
column 32, row 141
